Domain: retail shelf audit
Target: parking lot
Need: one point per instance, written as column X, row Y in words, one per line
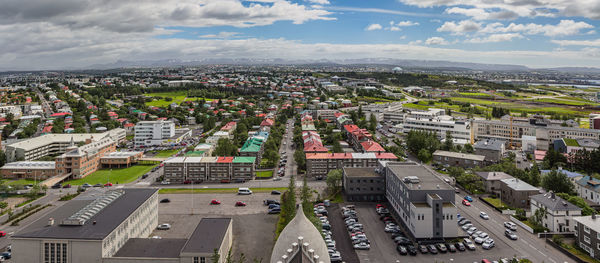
column 253, row 228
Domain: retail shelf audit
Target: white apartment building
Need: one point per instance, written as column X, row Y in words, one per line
column 149, row 133
column 55, row 144
column 460, row 129
column 89, row 227
column 559, row 212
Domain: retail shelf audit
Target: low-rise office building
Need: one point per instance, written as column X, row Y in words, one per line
column 459, row 129
column 319, row 164
column 423, row 202
column 120, row 159
column 363, row 184
column 88, row 228
column 161, row 132
column 31, row 170
column 516, row 193
column 463, row 160
column 559, row 212
column 212, row 169
column 84, row 160
column 587, row 234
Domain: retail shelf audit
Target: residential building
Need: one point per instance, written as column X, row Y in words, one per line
column 492, row 149
column 422, row 201
column 229, row 127
column 206, row 148
column 459, row 129
column 516, row 193
column 31, row 170
column 492, row 180
column 588, row 188
column 211, row 169
column 363, row 184
column 81, row 161
column 319, row 164
column 559, row 212
column 587, row 234
column 55, row 144
column 313, row 143
column 300, row 242
column 91, row 227
column 150, row 133
column 545, row 131
column 463, row 160
column 214, row 139
column 120, row 159
column 254, row 147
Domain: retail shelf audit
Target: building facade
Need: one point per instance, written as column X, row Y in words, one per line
column 363, row 184
column 120, row 159
column 84, row 160
column 588, row 188
column 459, row 129
column 463, row 160
column 211, row 169
column 516, row 193
column 319, row 164
column 149, row 133
column 587, row 233
column 493, row 150
column 559, row 213
column 31, row 170
column 492, row 180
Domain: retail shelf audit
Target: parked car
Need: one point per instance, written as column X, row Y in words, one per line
column 86, row 185
column 326, row 226
column 466, row 203
column 510, row 234
column 484, row 215
column 187, row 182
column 510, row 225
column 451, row 247
column 469, row 244
column 240, row 203
column 215, row 202
column 271, row 206
column 244, row 191
column 98, row 185
column 164, row 227
column 412, row 250
column 432, row 249
column 402, row 241
column 166, row 200
column 488, row 244
column 275, row 192
column 270, row 201
column 460, row 246
column 275, row 210
column 423, row 249
column 363, row 246
column 466, row 227
column 165, row 182
column 6, row 255
column 464, row 221
column 109, row 184
column 402, row 250
column 67, row 186
column 56, row 186
column 469, row 198
column 441, row 247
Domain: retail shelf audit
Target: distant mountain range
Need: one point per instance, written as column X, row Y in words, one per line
column 426, row 64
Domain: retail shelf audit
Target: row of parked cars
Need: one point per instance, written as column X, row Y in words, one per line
column 479, row 237
column 355, row 229
column 322, row 214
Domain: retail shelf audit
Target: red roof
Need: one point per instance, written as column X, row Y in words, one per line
column 267, row 122
column 329, row 156
column 228, row 126
column 47, row 129
column 385, row 156
column 312, row 142
column 371, row 146
column 60, row 114
column 338, row 114
column 350, row 128
column 224, row 159
column 126, row 125
column 539, row 155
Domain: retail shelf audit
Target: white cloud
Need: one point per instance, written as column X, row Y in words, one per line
column 523, row 8
column 436, row 41
column 481, row 14
column 319, row 2
column 373, row 27
column 398, row 26
column 221, row 35
column 416, row 42
column 462, row 27
column 591, row 32
column 495, row 38
column 590, row 43
column 564, row 28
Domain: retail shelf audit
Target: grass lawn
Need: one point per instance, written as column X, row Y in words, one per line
column 217, row 190
column 416, row 106
column 122, row 175
column 475, row 94
column 20, row 182
column 496, row 202
column 565, row 101
column 265, row 174
column 178, row 97
column 166, row 153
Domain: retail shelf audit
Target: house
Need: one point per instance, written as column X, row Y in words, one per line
column 588, row 188
column 587, row 233
column 491, row 180
column 493, row 150
column 559, row 212
column 463, row 160
column 516, row 193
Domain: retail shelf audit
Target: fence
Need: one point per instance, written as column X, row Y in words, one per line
column 521, row 224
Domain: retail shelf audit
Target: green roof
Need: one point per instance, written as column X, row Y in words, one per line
column 194, row 154
column 253, row 144
column 243, row 159
column 570, row 142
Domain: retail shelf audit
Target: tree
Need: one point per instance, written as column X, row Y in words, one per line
column 557, row 182
column 372, row 123
column 300, row 158
column 424, row 155
column 554, row 159
column 448, row 143
column 455, row 172
column 468, row 148
column 2, row 158
column 337, row 147
column 215, row 256
column 225, row 148
column 3, row 205
column 534, row 175
column 334, row 181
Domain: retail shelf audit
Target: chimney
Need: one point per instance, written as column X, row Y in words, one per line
column 593, row 216
column 50, row 221
column 552, row 195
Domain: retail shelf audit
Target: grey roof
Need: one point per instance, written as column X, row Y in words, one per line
column 360, row 172
column 427, row 179
column 459, row 155
column 554, row 203
column 30, row 165
column 588, row 221
column 151, row 248
column 106, row 219
column 208, row 235
column 489, row 144
column 519, row 185
column 588, row 143
column 493, row 176
column 300, row 226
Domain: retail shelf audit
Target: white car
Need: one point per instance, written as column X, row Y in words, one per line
column 471, row 230
column 488, row 244
column 362, row 246
column 510, row 225
column 164, row 227
column 165, row 182
column 484, row 215
column 469, row 244
column 466, row 226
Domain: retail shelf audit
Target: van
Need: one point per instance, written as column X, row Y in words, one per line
column 244, row 191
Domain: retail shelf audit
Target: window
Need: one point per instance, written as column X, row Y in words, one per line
column 586, row 239
column 55, row 252
column 196, row 260
column 586, row 229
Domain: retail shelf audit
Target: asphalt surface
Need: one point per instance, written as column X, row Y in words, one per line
column 340, row 234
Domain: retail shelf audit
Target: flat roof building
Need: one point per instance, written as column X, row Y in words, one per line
column 363, row 184
column 464, row 160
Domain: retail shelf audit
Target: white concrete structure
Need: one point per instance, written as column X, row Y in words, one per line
column 460, row 129
column 559, row 212
column 149, row 133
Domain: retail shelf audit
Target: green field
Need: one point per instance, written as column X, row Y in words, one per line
column 166, row 153
column 416, row 106
column 178, row 97
column 569, row 102
column 217, row 190
column 517, row 107
column 19, row 182
column 121, row 176
column 265, row 174
column 475, row 94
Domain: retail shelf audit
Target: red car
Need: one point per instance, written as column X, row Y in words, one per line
column 187, row 182
column 109, row 184
column 465, row 202
column 379, row 206
column 240, row 203
column 2, row 233
column 215, row 202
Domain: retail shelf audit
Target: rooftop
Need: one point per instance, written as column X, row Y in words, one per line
column 519, row 185
column 474, row 157
column 493, row 176
column 489, row 144
column 151, row 248
column 427, row 179
column 554, row 202
column 590, row 222
column 360, row 172
column 30, row 165
column 208, row 235
column 106, row 219
column 40, row 141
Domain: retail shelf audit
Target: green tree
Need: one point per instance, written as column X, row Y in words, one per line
column 448, row 143
column 337, row 147
column 300, row 159
column 334, row 181
column 424, row 155
column 225, row 148
column 2, row 158
column 557, row 182
column 372, row 123
column 468, row 148
column 3, row 205
column 534, row 175
column 215, row 256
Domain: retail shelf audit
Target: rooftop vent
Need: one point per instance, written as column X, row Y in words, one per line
column 90, row 210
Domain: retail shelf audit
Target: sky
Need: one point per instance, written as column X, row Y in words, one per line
column 59, row 34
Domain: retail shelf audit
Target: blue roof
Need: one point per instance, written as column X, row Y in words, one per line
column 566, row 172
column 584, row 182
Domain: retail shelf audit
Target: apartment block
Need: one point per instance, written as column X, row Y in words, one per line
column 463, row 160
column 149, row 133
column 588, row 188
column 84, row 160
column 211, row 169
column 440, row 125
column 492, row 149
column 587, row 233
column 319, row 164
column 423, row 202
column 516, row 193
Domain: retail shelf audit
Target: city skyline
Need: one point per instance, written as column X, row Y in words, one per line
column 69, row 34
